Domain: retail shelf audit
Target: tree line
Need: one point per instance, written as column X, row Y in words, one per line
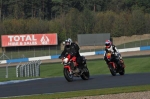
column 48, row 9
column 71, row 17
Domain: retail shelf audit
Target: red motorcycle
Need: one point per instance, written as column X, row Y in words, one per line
column 113, row 66
column 73, row 69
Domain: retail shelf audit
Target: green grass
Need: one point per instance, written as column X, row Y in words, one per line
column 133, row 65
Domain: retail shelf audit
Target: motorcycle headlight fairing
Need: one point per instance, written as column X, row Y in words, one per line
column 65, row 60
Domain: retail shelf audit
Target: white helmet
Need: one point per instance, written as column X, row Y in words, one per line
column 108, row 43
column 68, row 41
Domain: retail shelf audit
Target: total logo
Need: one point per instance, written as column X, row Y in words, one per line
column 45, row 40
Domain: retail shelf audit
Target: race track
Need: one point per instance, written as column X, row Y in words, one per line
column 59, row 84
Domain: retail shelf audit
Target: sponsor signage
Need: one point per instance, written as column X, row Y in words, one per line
column 29, row 40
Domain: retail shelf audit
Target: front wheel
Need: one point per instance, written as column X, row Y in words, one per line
column 68, row 76
column 85, row 75
column 112, row 70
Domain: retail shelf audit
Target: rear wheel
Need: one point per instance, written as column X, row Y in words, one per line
column 68, row 76
column 85, row 75
column 122, row 71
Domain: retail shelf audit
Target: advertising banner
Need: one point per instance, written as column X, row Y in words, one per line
column 29, row 40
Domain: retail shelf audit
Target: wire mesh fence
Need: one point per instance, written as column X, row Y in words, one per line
column 7, row 71
column 120, row 42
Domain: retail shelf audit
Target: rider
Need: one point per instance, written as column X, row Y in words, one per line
column 117, row 56
column 73, row 49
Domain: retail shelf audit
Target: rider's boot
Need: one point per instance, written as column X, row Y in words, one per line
column 122, row 62
column 119, row 64
column 76, row 70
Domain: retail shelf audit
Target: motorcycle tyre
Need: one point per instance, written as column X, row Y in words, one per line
column 68, row 76
column 122, row 71
column 85, row 75
column 112, row 70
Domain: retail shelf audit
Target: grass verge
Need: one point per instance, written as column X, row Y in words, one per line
column 96, row 67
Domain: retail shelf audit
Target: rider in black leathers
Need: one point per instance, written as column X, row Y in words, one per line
column 73, row 49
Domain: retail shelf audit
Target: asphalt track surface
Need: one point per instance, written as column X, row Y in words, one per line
column 59, row 84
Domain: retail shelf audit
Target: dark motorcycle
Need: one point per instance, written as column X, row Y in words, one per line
column 73, row 69
column 113, row 66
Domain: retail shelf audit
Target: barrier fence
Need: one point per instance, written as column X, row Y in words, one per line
column 101, row 52
column 123, row 42
column 30, row 69
column 7, row 71
column 32, row 66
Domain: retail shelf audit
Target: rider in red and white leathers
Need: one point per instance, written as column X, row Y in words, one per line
column 109, row 47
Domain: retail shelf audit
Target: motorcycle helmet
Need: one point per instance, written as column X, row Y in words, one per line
column 107, row 43
column 68, row 42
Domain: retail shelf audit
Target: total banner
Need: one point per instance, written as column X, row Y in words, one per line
column 29, row 40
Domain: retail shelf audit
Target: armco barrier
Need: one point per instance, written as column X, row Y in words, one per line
column 54, row 56
column 129, row 49
column 39, row 58
column 144, row 48
column 99, row 52
column 17, row 60
column 3, row 61
column 84, row 54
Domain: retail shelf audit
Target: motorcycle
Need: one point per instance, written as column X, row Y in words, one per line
column 113, row 66
column 73, row 69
